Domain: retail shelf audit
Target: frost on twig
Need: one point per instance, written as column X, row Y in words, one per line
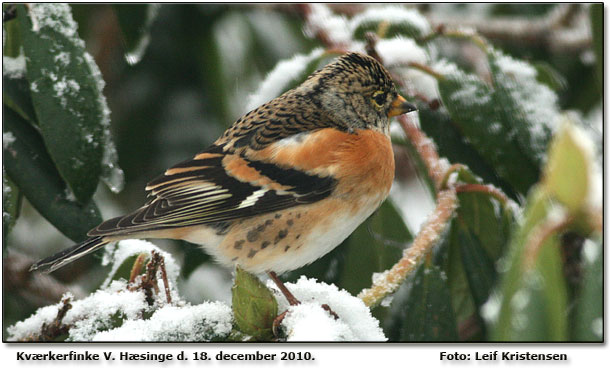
column 563, row 29
column 122, row 312
column 50, row 331
column 428, row 236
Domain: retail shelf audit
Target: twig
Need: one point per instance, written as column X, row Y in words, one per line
column 483, row 188
column 455, row 168
column 370, row 47
column 305, row 11
column 168, row 294
column 51, row 331
column 137, row 267
column 425, row 148
column 539, row 235
column 38, row 288
column 551, row 30
column 148, row 281
column 469, row 328
column 423, row 243
column 426, row 69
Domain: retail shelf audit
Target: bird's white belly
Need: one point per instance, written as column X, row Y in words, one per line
column 321, row 241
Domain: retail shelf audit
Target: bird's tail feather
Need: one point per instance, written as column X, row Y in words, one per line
column 68, row 255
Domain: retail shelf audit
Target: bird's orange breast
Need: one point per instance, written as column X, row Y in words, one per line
column 362, row 162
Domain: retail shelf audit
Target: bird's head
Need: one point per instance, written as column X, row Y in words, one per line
column 357, row 91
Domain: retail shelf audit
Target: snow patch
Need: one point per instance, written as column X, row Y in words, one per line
column 322, row 19
column 116, row 254
column 309, row 322
column 393, row 15
column 201, row 322
column 400, row 51
column 7, row 139
column 55, row 16
column 14, row 68
column 277, row 80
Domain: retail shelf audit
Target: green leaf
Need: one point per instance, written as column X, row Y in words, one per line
column 589, row 314
column 438, row 125
column 479, row 266
column 469, row 102
column 478, row 237
column 550, row 77
column 28, row 164
column 16, row 95
column 254, row 306
column 12, row 43
column 11, row 205
column 373, row 247
column 462, row 300
column 533, row 295
column 567, row 172
column 135, row 21
column 65, row 94
column 421, row 309
column 194, row 257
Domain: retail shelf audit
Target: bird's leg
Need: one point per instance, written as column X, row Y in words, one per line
column 292, row 300
column 326, row 307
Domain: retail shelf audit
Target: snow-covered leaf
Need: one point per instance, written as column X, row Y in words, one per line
column 509, row 123
column 254, row 306
column 65, row 94
column 528, row 109
column 30, row 167
column 209, row 321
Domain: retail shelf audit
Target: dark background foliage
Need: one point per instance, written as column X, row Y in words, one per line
column 173, row 97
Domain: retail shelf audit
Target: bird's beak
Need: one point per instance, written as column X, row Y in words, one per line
column 400, row 106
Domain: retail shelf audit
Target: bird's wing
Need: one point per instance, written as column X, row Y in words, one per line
column 217, row 186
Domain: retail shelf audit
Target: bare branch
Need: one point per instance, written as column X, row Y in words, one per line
column 560, row 30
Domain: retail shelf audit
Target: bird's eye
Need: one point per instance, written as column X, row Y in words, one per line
column 379, row 99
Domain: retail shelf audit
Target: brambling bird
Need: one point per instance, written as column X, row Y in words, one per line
column 284, row 185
